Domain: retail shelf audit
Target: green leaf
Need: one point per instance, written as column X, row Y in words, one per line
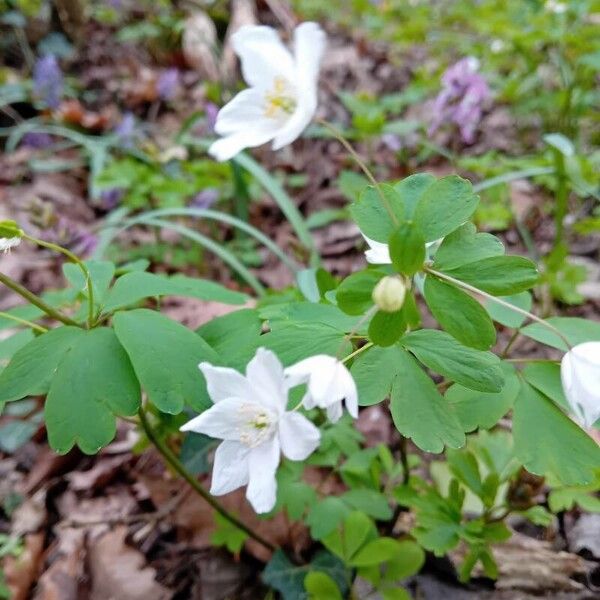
column 370, row 502
column 576, row 330
column 410, row 189
column 376, row 552
column 505, row 316
column 228, row 535
column 351, row 184
column 547, row 442
column 476, row 409
column 231, row 332
column 325, row 516
column 395, row 594
column 444, row 205
column 354, row 294
column 386, row 328
column 195, row 451
column 15, row 434
column 321, row 587
column 465, row 246
column 371, row 215
column 408, row 561
column 93, row 383
column 11, row 345
column 374, row 372
column 33, row 367
column 498, row 275
column 420, row 412
column 356, row 530
column 459, row 314
column 465, row 468
column 443, row 354
column 101, row 274
column 545, row 377
column 133, row 287
column 294, row 341
column 295, row 497
column 407, row 248
column 165, row 356
column 288, row 579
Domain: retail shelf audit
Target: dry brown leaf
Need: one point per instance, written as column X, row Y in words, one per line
column 199, row 45
column 103, row 471
column 119, row 572
column 20, row 572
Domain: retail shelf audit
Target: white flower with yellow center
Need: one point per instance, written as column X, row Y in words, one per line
column 282, row 97
column 580, row 374
column 249, row 415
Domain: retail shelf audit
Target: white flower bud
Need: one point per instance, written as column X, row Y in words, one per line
column 389, row 294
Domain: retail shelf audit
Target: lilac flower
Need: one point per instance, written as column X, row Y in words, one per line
column 110, row 198
column 464, row 92
column 125, row 130
column 36, row 140
column 211, row 110
column 72, row 235
column 205, row 199
column 48, row 81
column 392, row 142
column 167, row 84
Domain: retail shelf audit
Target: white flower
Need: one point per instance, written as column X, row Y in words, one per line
column 555, row 7
column 7, row 244
column 282, row 97
column 329, row 384
column 580, row 374
column 379, row 252
column 249, row 415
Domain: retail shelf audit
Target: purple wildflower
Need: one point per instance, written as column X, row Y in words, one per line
column 110, row 198
column 464, row 92
column 167, row 84
column 205, row 199
column 36, row 140
column 125, row 130
column 48, row 81
column 211, row 110
column 72, row 235
column 392, row 142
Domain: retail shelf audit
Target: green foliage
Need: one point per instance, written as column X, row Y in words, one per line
column 228, row 535
column 165, row 357
column 407, row 248
column 371, row 215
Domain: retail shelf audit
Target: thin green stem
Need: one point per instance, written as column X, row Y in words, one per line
column 30, row 324
column 36, row 301
column 179, row 468
column 357, row 352
column 349, row 335
column 75, row 259
column 509, row 345
column 473, row 289
column 359, row 161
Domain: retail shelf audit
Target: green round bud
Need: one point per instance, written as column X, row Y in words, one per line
column 389, row 294
column 10, row 230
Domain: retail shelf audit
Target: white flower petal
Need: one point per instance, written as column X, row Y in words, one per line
column 299, row 438
column 250, row 137
column 329, row 382
column 221, row 420
column 265, row 374
column 223, row 382
column 241, row 112
column 378, row 253
column 309, row 46
column 334, row 412
column 262, row 486
column 7, row 244
column 262, row 55
column 230, row 468
column 580, row 374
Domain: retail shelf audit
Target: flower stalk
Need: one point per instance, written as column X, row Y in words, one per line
column 172, row 460
column 36, row 301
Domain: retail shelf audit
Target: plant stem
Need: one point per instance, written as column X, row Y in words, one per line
column 179, row 468
column 36, row 301
column 73, row 258
column 357, row 352
column 404, row 460
column 359, row 161
column 30, row 324
column 499, row 301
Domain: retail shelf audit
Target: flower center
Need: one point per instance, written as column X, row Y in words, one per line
column 256, row 426
column 280, row 101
